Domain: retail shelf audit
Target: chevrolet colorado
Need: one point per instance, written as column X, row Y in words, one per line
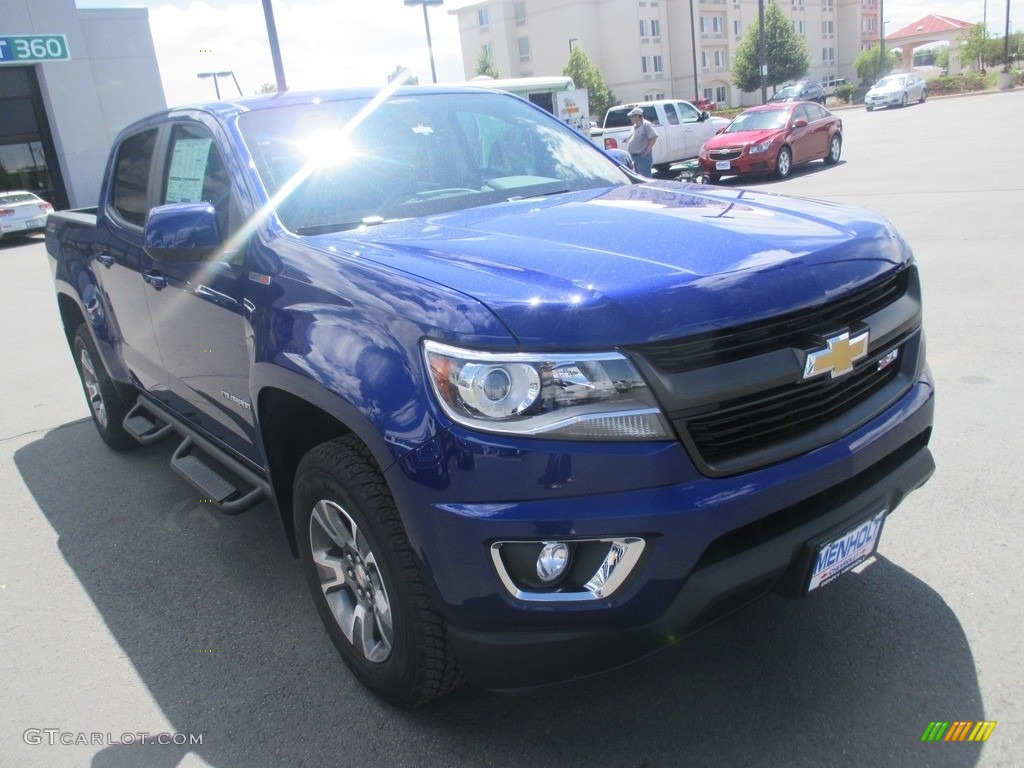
column 524, row 416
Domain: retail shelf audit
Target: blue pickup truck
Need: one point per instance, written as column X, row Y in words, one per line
column 524, row 415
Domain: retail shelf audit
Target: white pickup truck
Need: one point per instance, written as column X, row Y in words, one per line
column 682, row 129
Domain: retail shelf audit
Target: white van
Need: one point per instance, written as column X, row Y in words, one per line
column 682, row 129
column 829, row 84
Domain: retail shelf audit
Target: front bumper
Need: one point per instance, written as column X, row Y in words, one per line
column 713, row 544
column 885, row 100
column 520, row 659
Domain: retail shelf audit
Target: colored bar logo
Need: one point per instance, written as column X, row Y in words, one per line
column 958, row 730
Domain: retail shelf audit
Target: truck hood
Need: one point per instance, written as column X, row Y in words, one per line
column 638, row 263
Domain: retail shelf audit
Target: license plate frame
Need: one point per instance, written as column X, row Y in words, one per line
column 840, row 553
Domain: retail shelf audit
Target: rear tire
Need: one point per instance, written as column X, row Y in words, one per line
column 106, row 405
column 364, row 579
column 924, row 96
column 783, row 163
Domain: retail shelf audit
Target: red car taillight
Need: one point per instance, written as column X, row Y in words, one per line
column 45, row 207
column 6, row 211
column 611, row 144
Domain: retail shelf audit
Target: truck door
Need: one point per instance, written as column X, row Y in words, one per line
column 198, row 307
column 695, row 132
column 673, row 134
column 120, row 260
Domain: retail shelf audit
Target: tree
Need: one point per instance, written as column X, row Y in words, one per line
column 870, row 68
column 972, row 46
column 585, row 74
column 485, row 65
column 785, row 52
column 410, row 79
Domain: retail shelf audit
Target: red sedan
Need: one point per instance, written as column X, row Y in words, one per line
column 774, row 138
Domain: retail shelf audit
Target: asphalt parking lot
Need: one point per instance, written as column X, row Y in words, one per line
column 128, row 609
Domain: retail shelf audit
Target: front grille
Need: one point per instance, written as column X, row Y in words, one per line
column 747, row 424
column 790, row 330
column 738, row 398
column 725, row 154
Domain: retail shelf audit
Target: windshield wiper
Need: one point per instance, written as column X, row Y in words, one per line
column 341, row 226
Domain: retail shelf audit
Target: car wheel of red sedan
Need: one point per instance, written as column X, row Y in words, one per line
column 783, row 163
column 835, row 147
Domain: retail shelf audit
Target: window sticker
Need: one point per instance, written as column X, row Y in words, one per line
column 188, row 170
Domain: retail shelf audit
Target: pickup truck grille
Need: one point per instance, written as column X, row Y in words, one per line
column 747, row 424
column 738, row 398
column 784, row 331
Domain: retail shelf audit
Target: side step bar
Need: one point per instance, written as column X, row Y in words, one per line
column 148, row 422
column 141, row 425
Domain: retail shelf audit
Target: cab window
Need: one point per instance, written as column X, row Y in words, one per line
column 131, row 177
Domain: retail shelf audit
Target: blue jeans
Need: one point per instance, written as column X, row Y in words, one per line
column 642, row 163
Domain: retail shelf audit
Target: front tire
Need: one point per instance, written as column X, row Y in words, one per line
column 106, row 405
column 783, row 163
column 835, row 148
column 904, row 101
column 364, row 579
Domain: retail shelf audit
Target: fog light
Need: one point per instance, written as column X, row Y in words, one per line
column 552, row 561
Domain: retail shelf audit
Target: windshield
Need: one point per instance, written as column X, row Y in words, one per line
column 759, row 121
column 889, row 82
column 785, row 93
column 337, row 165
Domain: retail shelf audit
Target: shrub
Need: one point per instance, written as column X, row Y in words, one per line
column 844, row 92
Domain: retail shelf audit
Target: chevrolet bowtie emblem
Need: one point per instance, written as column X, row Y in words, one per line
column 838, row 358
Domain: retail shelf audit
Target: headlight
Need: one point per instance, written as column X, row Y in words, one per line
column 762, row 147
column 591, row 396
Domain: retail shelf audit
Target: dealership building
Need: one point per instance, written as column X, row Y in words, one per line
column 70, row 79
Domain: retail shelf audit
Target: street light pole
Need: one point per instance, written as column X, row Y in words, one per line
column 426, row 24
column 881, row 38
column 275, row 47
column 205, row 75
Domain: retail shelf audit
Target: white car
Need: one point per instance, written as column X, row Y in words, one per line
column 22, row 213
column 896, row 90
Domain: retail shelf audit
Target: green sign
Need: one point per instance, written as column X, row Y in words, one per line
column 22, row 49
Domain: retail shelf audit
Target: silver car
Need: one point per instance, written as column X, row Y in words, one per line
column 22, row 213
column 896, row 90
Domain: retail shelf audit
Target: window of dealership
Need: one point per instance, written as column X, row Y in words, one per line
column 28, row 159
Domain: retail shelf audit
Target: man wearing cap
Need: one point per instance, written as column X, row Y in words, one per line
column 640, row 143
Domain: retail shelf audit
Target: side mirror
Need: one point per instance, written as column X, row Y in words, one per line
column 800, row 123
column 181, row 232
column 705, row 115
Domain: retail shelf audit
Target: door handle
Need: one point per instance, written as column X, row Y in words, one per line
column 155, row 279
column 105, row 259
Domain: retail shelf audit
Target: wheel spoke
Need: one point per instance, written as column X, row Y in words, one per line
column 330, row 568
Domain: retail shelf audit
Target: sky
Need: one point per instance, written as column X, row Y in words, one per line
column 339, row 43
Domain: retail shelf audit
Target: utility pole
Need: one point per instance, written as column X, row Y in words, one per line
column 762, row 58
column 693, row 44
